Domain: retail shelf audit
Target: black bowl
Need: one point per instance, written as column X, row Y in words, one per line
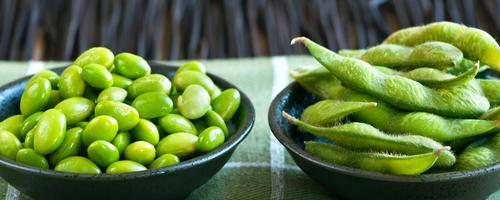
column 350, row 183
column 173, row 182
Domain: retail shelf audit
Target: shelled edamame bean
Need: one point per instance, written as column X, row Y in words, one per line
column 109, row 114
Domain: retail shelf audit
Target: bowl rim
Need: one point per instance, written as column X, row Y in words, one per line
column 240, row 134
column 293, row 148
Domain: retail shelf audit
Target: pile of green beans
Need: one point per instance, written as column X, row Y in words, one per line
column 109, row 114
column 405, row 106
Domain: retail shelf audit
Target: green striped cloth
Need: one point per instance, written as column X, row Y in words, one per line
column 260, row 168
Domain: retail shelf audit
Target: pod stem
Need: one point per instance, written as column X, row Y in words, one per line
column 439, row 151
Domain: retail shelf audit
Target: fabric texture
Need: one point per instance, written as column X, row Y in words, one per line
column 260, row 168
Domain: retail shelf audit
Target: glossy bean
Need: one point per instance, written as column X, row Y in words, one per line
column 124, row 166
column 112, row 94
column 164, row 160
column 174, row 123
column 131, row 66
column 126, row 115
column 35, row 96
column 141, row 152
column 49, row 132
column 54, row 99
column 28, row 141
column 76, row 109
column 97, row 76
column 30, row 157
column 214, row 119
column 149, row 83
column 152, row 104
column 188, row 77
column 121, row 141
column 77, row 164
column 71, row 83
column 120, row 81
column 211, row 138
column 194, row 102
column 146, row 131
column 14, row 125
column 82, row 124
column 227, row 103
column 96, row 55
column 103, row 153
column 193, row 65
column 180, row 144
column 102, row 127
column 49, row 75
column 71, row 146
column 10, row 144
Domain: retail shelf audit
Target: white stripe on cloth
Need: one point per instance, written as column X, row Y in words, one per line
column 33, row 67
column 280, row 80
column 230, row 165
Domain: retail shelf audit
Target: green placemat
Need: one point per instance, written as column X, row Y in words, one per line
column 260, row 168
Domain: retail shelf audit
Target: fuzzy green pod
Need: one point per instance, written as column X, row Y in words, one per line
column 400, row 92
column 490, row 89
column 379, row 162
column 492, row 114
column 477, row 156
column 71, row 83
column 96, row 55
column 329, row 112
column 35, row 96
column 476, row 44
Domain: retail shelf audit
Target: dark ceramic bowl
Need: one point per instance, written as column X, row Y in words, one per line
column 350, row 183
column 173, row 182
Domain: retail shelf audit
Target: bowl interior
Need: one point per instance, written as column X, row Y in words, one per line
column 239, row 127
column 294, row 99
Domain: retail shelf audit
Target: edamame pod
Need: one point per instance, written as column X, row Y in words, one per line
column 124, row 166
column 103, row 153
column 71, row 146
column 49, row 132
column 35, row 96
column 76, row 109
column 211, row 138
column 30, row 157
column 126, row 115
column 10, row 144
column 77, row 164
column 164, row 160
column 102, row 127
column 120, row 81
column 361, row 136
column 442, row 81
column 328, row 112
column 180, row 144
column 378, row 162
column 121, row 141
column 96, row 55
column 477, row 156
column 97, row 76
column 227, row 103
column 149, row 83
column 14, row 125
column 153, row 104
column 194, row 102
column 131, row 66
column 398, row 91
column 476, row 44
column 71, row 83
column 49, row 75
column 146, row 131
column 140, row 152
column 174, row 123
column 492, row 114
column 112, row 94
column 490, row 89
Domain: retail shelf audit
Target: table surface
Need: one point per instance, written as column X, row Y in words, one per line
column 260, row 168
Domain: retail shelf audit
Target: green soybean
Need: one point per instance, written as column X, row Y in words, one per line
column 121, row 141
column 10, row 144
column 126, row 115
column 378, row 162
column 164, row 160
column 174, row 123
column 227, row 103
column 77, row 164
column 180, row 144
column 76, row 109
column 49, row 75
column 193, row 65
column 140, row 152
column 54, row 99
column 49, row 132
column 121, row 81
column 398, row 91
column 194, row 102
column 476, row 44
column 71, row 83
column 30, row 157
column 14, row 125
column 146, row 131
column 387, row 118
column 211, row 138
column 186, row 78
column 490, row 89
column 82, row 124
column 71, row 146
column 478, row 156
column 28, row 141
column 112, row 94
column 330, row 112
column 153, row 104
column 97, row 76
column 100, row 128
column 124, row 166
column 103, row 153
column 361, row 136
column 131, row 66
column 96, row 55
column 149, row 83
column 35, row 96
column 214, row 119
